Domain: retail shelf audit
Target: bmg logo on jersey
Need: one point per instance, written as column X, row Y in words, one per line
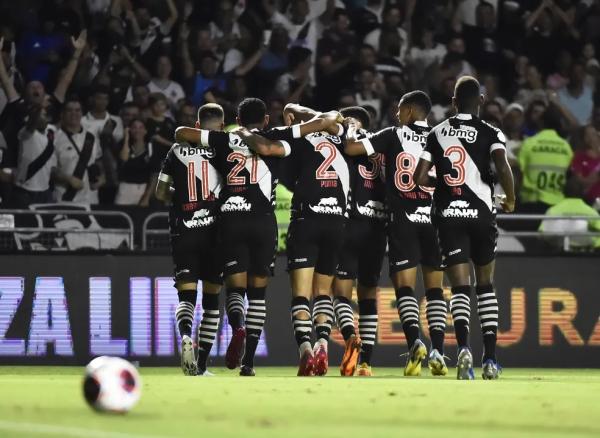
column 187, row 150
column 467, row 133
column 413, row 136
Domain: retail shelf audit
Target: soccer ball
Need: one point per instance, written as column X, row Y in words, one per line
column 111, row 384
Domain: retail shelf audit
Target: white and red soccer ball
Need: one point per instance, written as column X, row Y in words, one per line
column 111, row 384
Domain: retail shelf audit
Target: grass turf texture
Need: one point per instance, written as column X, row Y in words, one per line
column 48, row 401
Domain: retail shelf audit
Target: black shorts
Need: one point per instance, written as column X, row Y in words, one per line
column 412, row 244
column 362, row 252
column 314, row 241
column 196, row 255
column 463, row 240
column 249, row 243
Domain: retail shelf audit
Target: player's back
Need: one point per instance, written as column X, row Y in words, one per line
column 249, row 179
column 460, row 148
column 197, row 185
column 322, row 176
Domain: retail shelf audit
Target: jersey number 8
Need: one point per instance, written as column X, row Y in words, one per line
column 405, row 169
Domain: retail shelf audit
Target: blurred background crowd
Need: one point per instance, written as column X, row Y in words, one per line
column 92, row 90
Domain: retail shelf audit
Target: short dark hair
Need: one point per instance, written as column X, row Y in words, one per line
column 210, row 111
column 467, row 92
column 418, row 99
column 359, row 113
column 552, row 119
column 251, row 110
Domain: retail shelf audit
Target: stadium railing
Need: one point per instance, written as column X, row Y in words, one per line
column 65, row 229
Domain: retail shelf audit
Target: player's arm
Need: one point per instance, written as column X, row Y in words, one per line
column 164, row 190
column 422, row 176
column 294, row 113
column 263, row 146
column 201, row 138
column 505, row 177
column 298, row 113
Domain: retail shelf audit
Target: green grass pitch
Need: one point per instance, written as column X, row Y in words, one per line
column 47, row 401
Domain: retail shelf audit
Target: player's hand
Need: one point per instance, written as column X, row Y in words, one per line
column 75, row 183
column 80, row 42
column 507, row 205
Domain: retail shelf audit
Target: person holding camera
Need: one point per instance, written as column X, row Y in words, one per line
column 79, row 171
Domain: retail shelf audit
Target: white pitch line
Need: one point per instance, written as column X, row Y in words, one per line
column 50, row 429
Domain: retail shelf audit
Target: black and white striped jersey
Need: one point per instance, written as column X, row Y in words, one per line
column 321, row 175
column 402, row 147
column 368, row 185
column 197, row 185
column 460, row 148
column 249, row 180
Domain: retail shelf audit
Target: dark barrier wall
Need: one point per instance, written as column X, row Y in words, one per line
column 66, row 309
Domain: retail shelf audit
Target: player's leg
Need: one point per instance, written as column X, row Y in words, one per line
column 455, row 248
column 436, row 309
column 235, row 257
column 330, row 238
column 369, row 271
column 403, row 258
column 209, row 325
column 343, row 284
column 301, row 255
column 263, row 249
column 367, row 326
column 184, row 315
column 255, row 320
column 487, row 303
column 437, row 313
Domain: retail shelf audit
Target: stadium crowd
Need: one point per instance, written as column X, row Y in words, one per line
column 92, row 90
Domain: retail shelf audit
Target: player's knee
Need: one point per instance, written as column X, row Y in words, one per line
column 186, row 286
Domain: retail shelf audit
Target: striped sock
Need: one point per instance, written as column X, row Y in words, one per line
column 460, row 307
column 437, row 313
column 255, row 320
column 207, row 331
column 487, row 308
column 367, row 327
column 234, row 306
column 301, row 319
column 184, row 313
column 408, row 310
column 344, row 316
column 323, row 309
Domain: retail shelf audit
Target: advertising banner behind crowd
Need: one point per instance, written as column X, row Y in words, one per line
column 67, row 309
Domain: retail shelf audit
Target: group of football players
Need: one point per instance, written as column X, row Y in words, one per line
column 425, row 193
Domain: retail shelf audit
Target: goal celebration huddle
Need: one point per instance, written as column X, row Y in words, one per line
column 425, row 194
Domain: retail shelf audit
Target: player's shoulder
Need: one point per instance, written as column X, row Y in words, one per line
column 495, row 133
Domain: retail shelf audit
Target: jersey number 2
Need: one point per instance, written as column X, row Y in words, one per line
column 192, row 195
column 240, row 159
column 322, row 171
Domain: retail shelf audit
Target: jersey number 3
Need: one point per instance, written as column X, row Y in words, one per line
column 457, row 156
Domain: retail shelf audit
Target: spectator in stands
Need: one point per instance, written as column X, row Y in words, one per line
column 391, row 20
column 512, row 126
column 427, row 51
column 533, row 117
column 161, row 82
column 456, row 45
column 135, row 167
column 334, row 55
column 370, row 89
column 572, row 205
column 186, row 116
column 368, row 17
column 275, row 60
column 78, row 173
column 560, row 77
column 577, row 95
column 533, row 88
column 129, row 111
column 483, row 43
column 161, row 128
column 36, row 159
column 141, row 98
column 294, row 85
column 207, row 78
column 544, row 160
column 586, row 164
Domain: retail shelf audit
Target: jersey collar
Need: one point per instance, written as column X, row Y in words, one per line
column 464, row 116
column 422, row 123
